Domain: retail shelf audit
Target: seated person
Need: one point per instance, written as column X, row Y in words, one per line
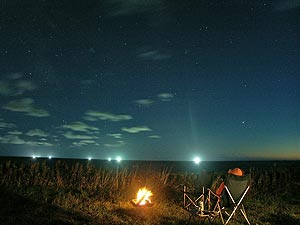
column 219, row 190
column 235, row 171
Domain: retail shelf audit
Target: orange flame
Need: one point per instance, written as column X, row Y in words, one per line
column 143, row 196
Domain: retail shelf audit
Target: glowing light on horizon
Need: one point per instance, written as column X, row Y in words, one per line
column 109, row 159
column 197, row 160
column 119, row 159
column 89, row 158
column 49, row 157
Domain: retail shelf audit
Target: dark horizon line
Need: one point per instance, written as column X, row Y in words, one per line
column 151, row 160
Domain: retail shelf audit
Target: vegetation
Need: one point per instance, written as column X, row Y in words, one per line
column 78, row 193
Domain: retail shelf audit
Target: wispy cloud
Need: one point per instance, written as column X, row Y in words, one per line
column 14, row 76
column 79, row 126
column 71, row 135
column 15, row 86
column 25, row 85
column 37, row 133
column 5, row 88
column 153, row 55
column 26, row 105
column 4, row 125
column 144, row 102
column 165, row 97
column 97, row 115
column 117, row 136
column 39, row 143
column 136, row 129
column 12, row 139
column 118, row 144
column 84, row 143
column 15, row 132
column 154, row 136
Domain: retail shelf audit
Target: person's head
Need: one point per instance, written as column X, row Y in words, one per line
column 236, row 171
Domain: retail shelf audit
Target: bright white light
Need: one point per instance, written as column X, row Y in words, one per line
column 49, row 157
column 119, row 159
column 197, row 160
column 109, row 159
column 89, row 158
column 34, row 156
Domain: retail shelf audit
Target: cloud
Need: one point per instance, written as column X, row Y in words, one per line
column 14, row 76
column 154, row 136
column 4, row 125
column 26, row 105
column 39, row 143
column 25, row 85
column 5, row 89
column 136, row 129
column 115, row 145
column 37, row 133
column 12, row 139
column 15, row 132
column 97, row 115
column 71, row 135
column 145, row 102
column 38, row 113
column 161, row 97
column 15, row 87
column 117, row 136
column 153, row 55
column 84, row 143
column 165, row 97
column 80, row 126
column 286, row 5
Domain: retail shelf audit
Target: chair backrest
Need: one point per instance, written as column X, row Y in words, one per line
column 205, row 179
column 237, row 185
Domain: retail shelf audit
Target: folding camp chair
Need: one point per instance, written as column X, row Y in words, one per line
column 195, row 201
column 226, row 204
column 195, row 205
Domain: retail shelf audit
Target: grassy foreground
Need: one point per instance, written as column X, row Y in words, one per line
column 38, row 193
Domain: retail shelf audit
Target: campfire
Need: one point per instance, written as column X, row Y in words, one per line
column 142, row 198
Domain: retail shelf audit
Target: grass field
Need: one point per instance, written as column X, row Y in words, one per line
column 39, row 192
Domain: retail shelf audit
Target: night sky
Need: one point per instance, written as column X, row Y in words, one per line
column 150, row 80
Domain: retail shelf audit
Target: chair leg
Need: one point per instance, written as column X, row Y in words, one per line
column 244, row 214
column 231, row 215
column 219, row 208
column 242, row 209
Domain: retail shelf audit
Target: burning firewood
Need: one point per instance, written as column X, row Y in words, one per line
column 143, row 198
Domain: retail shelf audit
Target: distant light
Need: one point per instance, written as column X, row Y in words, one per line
column 119, row 159
column 89, row 158
column 197, row 160
column 109, row 159
column 34, row 156
column 49, row 157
